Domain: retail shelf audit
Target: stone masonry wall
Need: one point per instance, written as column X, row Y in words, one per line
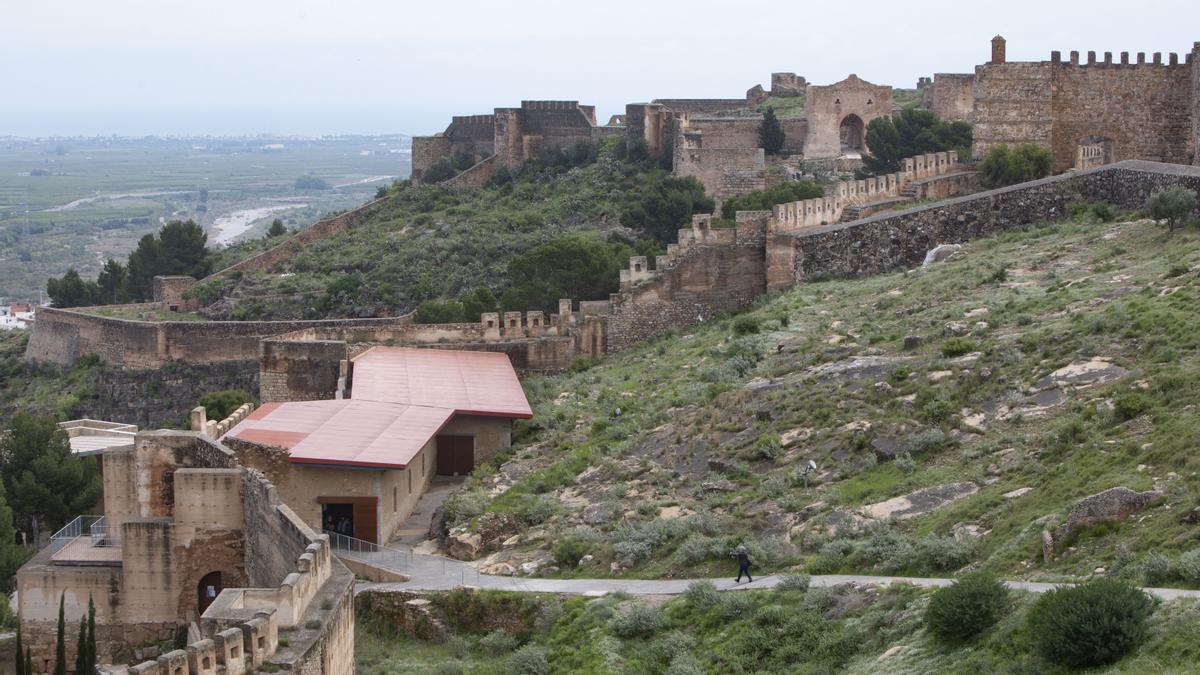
column 708, row 274
column 885, row 242
column 952, row 96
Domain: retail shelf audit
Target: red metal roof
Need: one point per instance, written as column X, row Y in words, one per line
column 470, row 383
column 401, row 398
column 346, row 432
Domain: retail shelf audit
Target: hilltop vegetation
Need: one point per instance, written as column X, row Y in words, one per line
column 427, row 242
column 792, row 629
column 991, row 391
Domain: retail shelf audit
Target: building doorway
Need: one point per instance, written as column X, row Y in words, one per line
column 455, row 455
column 851, row 134
column 207, row 590
column 355, row 517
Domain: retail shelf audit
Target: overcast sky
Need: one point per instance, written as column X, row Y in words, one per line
column 379, row 66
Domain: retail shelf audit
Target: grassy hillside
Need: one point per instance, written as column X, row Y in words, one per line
column 428, row 242
column 844, row 629
column 1044, row 365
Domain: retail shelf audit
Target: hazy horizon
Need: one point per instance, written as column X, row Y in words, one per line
column 135, row 68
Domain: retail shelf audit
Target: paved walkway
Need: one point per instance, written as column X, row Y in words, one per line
column 435, row 573
column 438, row 573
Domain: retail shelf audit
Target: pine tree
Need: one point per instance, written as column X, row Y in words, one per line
column 277, row 229
column 81, row 648
column 20, row 655
column 60, row 645
column 770, row 133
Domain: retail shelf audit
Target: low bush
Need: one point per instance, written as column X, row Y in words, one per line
column 1131, row 404
column 702, row 595
column 957, row 346
column 637, row 621
column 1092, row 624
column 959, row 612
column 568, row 551
column 1156, row 569
column 498, row 642
column 528, row 660
column 745, row 325
column 1189, row 566
column 461, row 507
column 793, row 582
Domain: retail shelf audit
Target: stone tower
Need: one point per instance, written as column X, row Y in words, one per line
column 998, row 49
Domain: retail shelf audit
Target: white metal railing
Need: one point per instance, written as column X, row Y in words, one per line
column 104, row 536
column 369, row 552
column 72, row 530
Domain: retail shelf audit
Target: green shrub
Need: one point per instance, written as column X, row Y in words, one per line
column 463, row 506
column 1188, row 566
column 957, row 346
column 528, row 660
column 734, row 605
column 1131, row 404
column 1171, row 205
column 498, row 642
column 637, row 621
column 438, row 171
column 702, row 595
column 568, row 551
column 933, row 408
column 963, row 610
column 1005, row 165
column 1156, row 569
column 1092, row 624
column 535, row 511
column 769, row 446
column 745, row 325
column 793, row 582
column 220, row 404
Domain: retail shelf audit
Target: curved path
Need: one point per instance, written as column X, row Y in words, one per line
column 435, row 573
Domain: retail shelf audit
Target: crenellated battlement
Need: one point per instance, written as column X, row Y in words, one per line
column 842, row 195
column 1140, row 59
column 549, row 105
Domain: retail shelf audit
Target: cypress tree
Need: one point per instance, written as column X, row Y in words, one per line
column 91, row 635
column 20, row 654
column 770, row 133
column 60, row 646
column 81, row 648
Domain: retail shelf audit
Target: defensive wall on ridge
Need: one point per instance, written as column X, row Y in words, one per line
column 1144, row 107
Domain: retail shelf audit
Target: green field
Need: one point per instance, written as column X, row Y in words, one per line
column 76, row 202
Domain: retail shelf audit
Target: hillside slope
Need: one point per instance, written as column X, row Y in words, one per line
column 989, row 393
column 429, row 242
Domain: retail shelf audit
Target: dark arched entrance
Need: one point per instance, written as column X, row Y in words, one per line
column 207, row 590
column 851, row 133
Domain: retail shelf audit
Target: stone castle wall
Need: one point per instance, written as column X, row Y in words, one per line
column 951, row 96
column 1144, row 108
column 709, row 272
column 890, row 241
column 826, row 107
column 64, row 335
column 292, row 245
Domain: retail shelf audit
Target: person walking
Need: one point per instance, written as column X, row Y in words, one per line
column 743, row 558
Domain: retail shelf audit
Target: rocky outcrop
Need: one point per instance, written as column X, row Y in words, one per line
column 1111, row 506
column 920, row 502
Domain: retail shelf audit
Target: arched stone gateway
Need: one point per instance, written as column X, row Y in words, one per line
column 851, row 133
column 207, row 590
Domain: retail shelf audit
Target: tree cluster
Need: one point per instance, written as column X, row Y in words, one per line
column 1008, row 165
column 179, row 248
column 47, row 485
column 466, row 309
column 661, row 204
column 761, row 200
column 891, row 139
